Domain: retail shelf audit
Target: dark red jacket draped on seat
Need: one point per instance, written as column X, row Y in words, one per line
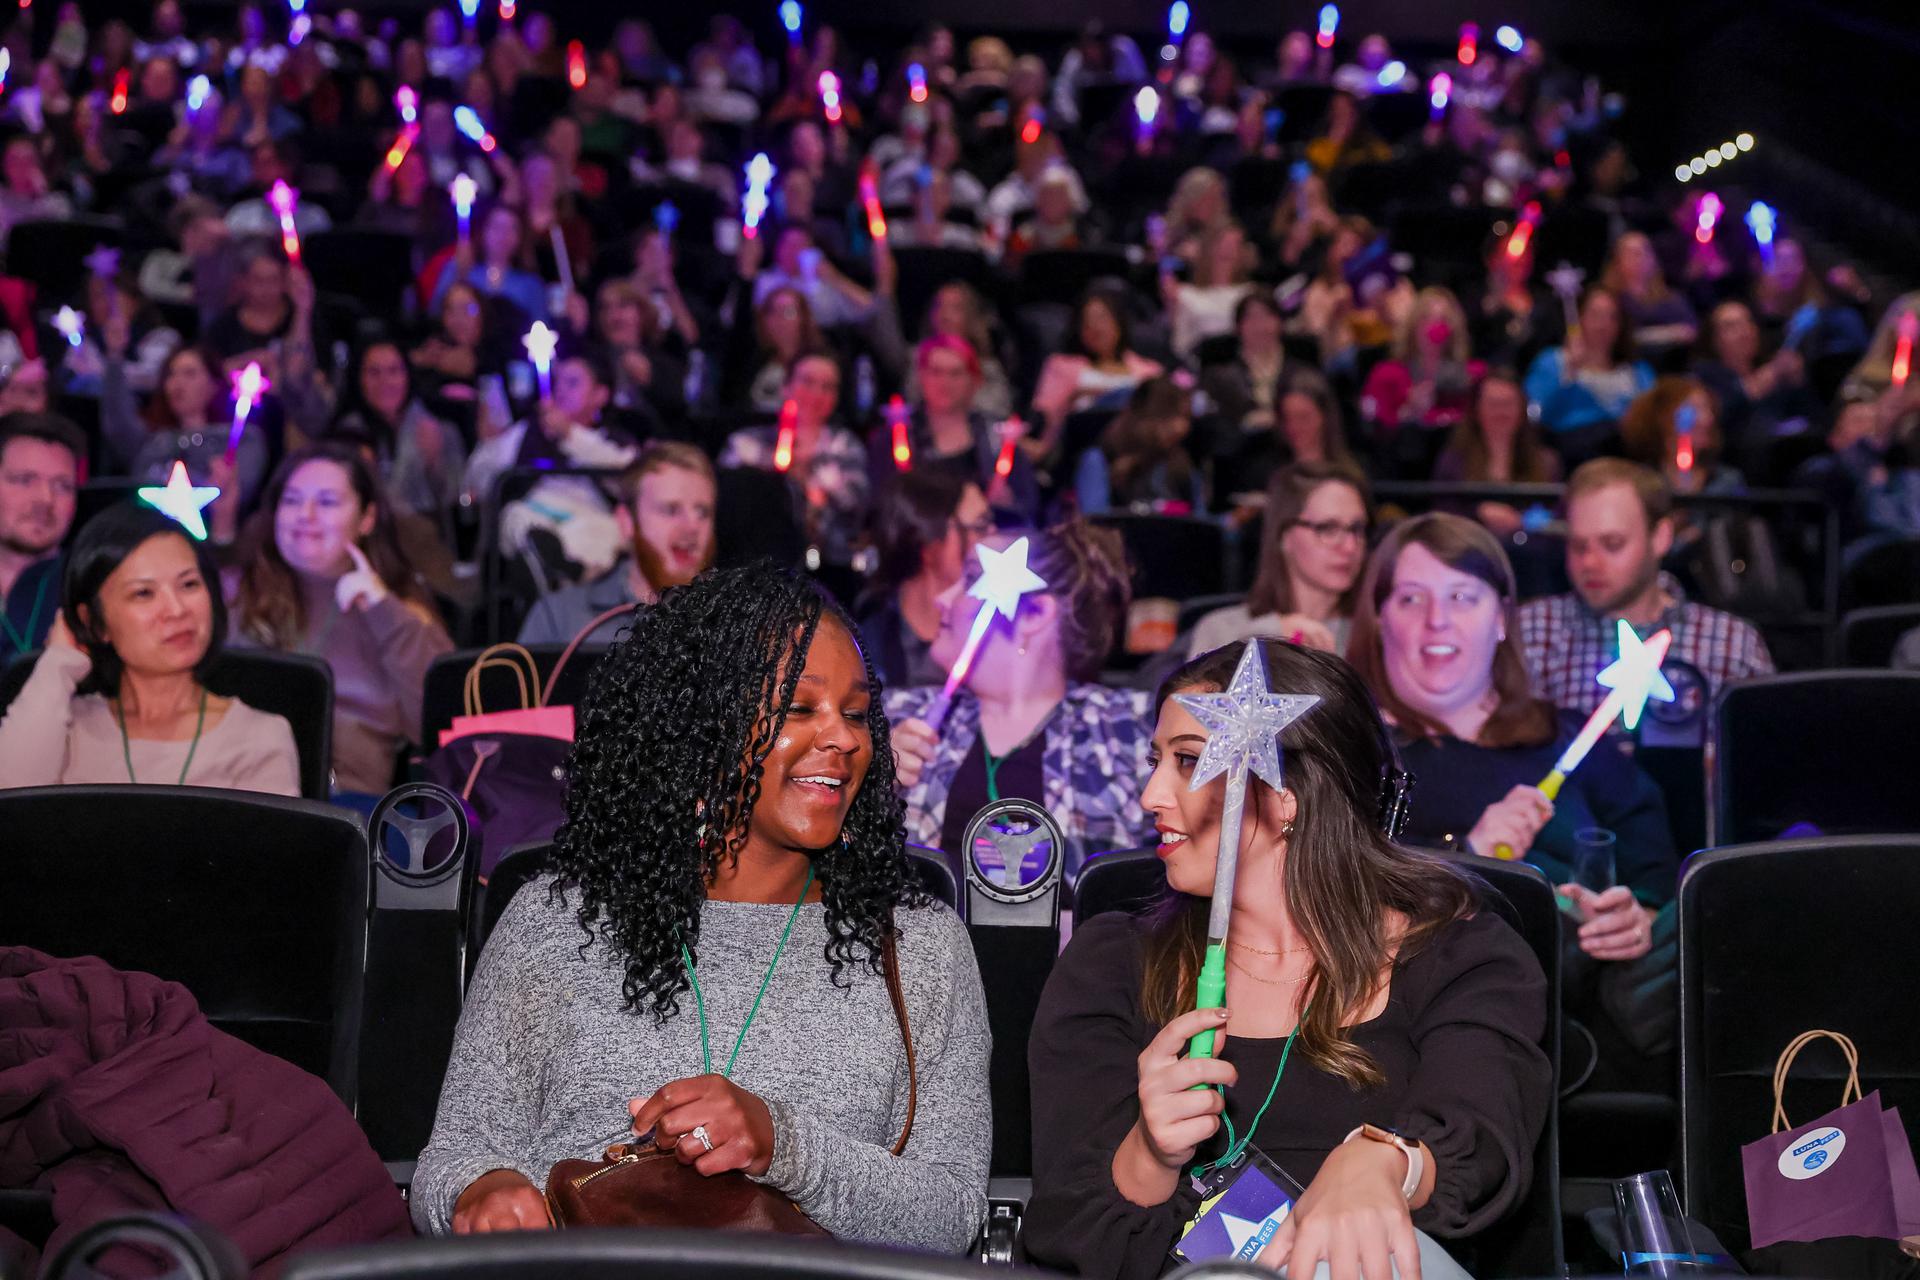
column 116, row 1094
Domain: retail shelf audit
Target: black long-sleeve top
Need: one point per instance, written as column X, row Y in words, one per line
column 1458, row 1043
column 1457, row 780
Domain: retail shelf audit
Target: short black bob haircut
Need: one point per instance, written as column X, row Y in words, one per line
column 103, row 545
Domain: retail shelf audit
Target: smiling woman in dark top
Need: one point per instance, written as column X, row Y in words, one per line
column 1407, row 1006
column 1434, row 637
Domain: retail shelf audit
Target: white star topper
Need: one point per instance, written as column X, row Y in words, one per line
column 1636, row 675
column 1244, row 724
column 181, row 499
column 1004, row 578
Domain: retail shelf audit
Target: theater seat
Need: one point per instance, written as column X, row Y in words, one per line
column 256, row 904
column 1777, row 939
column 631, row 1255
column 1834, row 749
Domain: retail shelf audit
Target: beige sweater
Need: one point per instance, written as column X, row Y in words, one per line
column 50, row 735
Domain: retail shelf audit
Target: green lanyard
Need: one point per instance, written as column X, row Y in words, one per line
column 994, row 762
column 1237, row 1143
column 126, row 747
column 700, row 1003
column 23, row 640
column 993, row 771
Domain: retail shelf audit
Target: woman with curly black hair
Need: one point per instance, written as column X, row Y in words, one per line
column 732, row 834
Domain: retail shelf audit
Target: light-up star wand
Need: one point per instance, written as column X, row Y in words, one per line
column 1632, row 678
column 540, row 343
column 181, row 500
column 1004, row 578
column 1243, row 727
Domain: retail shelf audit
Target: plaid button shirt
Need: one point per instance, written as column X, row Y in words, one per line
column 1093, row 766
column 1567, row 645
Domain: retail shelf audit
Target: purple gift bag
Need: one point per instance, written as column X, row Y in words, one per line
column 1849, row 1173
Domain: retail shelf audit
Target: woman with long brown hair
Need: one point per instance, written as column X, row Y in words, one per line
column 1496, row 443
column 1395, row 1024
column 1436, row 638
column 324, row 575
column 1142, row 458
column 1312, row 548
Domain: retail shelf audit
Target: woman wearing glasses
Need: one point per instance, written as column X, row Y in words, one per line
column 1313, row 547
column 925, row 530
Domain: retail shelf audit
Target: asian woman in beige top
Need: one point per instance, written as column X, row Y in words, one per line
column 118, row 695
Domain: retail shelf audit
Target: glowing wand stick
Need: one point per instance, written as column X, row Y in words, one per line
column 540, row 343
column 248, row 386
column 464, row 191
column 1004, row 578
column 284, row 199
column 1243, row 728
column 1632, row 679
column 902, row 447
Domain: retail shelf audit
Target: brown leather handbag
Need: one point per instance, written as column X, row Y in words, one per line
column 643, row 1186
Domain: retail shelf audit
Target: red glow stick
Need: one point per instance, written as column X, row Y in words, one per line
column 1522, row 236
column 902, row 450
column 1009, row 441
column 1469, row 43
column 576, row 64
column 1683, row 420
column 870, row 198
column 783, row 443
column 403, row 143
column 118, row 105
column 1908, row 326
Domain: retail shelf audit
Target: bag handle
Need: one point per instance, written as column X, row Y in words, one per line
column 510, row 656
column 890, row 958
column 579, row 639
column 1849, row 1093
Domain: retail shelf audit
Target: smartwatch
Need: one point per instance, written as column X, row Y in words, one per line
column 1416, row 1162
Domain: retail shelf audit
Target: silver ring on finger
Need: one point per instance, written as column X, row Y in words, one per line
column 700, row 1132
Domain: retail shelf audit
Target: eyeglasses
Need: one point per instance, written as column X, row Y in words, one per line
column 975, row 529
column 1332, row 532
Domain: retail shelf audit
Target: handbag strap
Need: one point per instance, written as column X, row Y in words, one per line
column 580, row 638
column 1849, row 1093
column 510, row 656
column 890, row 960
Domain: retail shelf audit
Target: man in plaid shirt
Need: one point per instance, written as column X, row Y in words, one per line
column 1619, row 528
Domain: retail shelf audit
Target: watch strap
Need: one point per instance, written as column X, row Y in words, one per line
column 1416, row 1161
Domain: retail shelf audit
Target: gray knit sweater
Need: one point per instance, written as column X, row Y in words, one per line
column 545, row 1061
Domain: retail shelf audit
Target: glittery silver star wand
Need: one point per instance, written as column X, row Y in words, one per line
column 1243, row 733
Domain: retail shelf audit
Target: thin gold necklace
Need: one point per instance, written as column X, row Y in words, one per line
column 1258, row 951
column 1272, row 982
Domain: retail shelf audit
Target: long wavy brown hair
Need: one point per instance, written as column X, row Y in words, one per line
column 269, row 607
column 1343, row 879
column 1520, row 719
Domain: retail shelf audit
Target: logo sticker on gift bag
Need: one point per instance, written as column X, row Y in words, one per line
column 1813, row 1155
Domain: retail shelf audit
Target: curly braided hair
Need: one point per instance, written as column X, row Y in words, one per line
column 666, row 767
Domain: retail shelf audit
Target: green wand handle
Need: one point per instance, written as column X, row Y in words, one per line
column 1212, row 995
